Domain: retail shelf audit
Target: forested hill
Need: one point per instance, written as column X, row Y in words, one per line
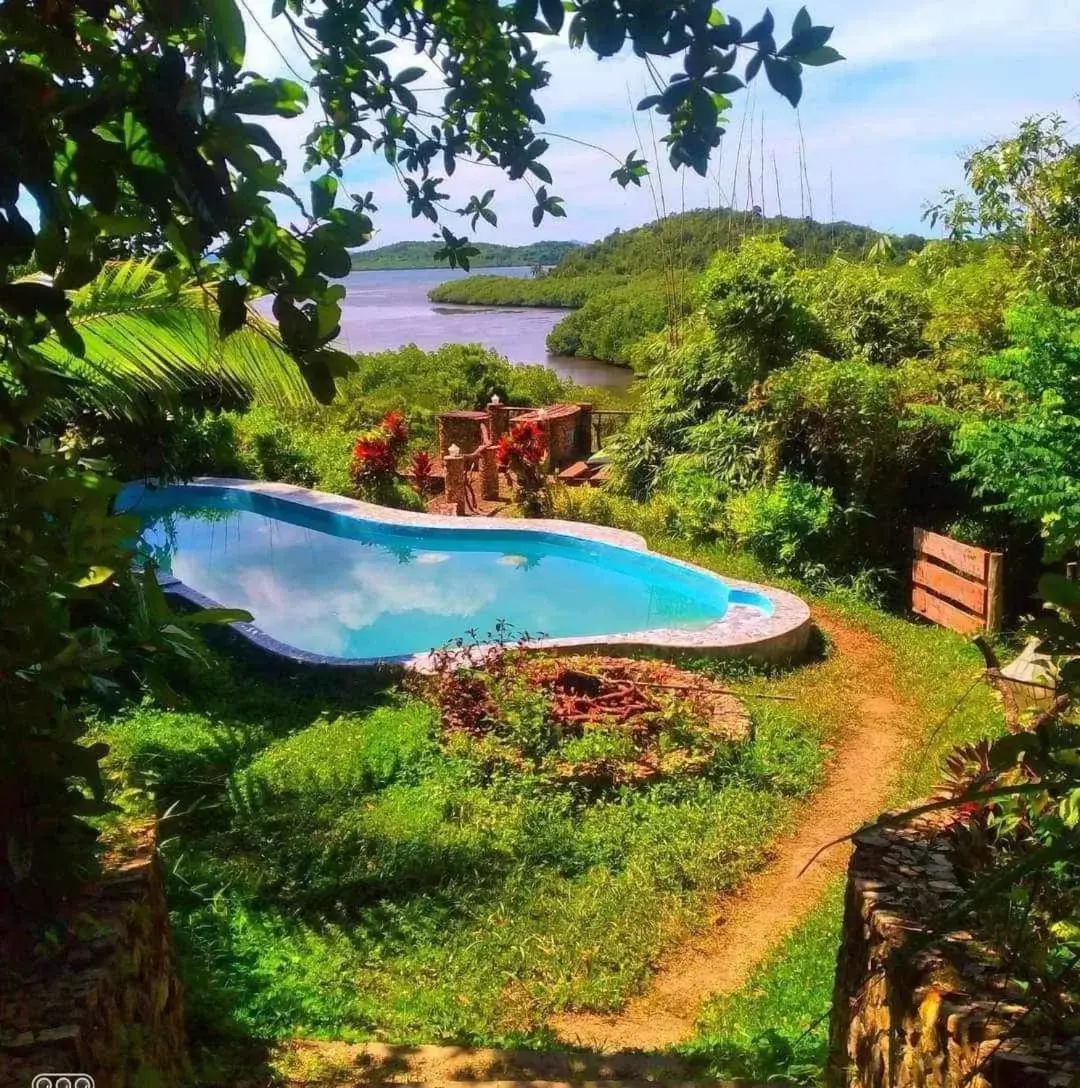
column 690, row 239
column 422, row 255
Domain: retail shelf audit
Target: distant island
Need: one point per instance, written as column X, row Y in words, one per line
column 422, row 255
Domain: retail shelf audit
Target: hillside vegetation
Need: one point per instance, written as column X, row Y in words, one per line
column 422, row 255
column 635, row 282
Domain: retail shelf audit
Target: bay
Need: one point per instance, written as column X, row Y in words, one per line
column 386, row 309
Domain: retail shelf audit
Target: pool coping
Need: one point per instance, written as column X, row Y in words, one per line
column 745, row 631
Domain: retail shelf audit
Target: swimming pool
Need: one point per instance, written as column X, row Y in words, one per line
column 331, row 579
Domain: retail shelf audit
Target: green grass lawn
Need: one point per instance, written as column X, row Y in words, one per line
column 335, row 871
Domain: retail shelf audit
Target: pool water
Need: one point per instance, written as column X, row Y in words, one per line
column 351, row 588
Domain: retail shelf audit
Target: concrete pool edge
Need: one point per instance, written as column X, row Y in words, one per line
column 745, row 630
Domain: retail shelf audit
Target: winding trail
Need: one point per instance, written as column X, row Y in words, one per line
column 855, row 687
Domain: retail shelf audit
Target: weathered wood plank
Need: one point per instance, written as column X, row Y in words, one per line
column 995, row 591
column 954, row 587
column 965, row 558
column 948, row 615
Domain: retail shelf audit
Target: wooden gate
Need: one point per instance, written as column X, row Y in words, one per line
column 956, row 585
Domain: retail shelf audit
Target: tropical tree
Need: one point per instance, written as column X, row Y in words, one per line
column 129, row 127
column 1025, row 191
column 150, row 341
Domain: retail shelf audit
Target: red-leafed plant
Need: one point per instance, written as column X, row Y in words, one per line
column 396, row 429
column 372, row 459
column 521, row 453
column 421, row 472
column 374, row 464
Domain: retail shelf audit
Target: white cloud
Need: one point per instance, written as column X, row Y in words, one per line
column 924, row 81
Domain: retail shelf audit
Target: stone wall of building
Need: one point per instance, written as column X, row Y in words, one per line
column 107, row 1001
column 913, row 1014
column 461, row 429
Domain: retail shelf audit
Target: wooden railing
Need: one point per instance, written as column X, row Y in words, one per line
column 957, row 585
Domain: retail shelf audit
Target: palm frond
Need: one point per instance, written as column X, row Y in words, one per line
column 150, row 342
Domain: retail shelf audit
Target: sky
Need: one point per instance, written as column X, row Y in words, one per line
column 924, row 82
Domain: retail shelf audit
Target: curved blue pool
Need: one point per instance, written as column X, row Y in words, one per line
column 348, row 586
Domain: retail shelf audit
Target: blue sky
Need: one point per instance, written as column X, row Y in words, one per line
column 924, row 82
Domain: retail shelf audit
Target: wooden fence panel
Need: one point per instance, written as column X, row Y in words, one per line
column 965, row 558
column 956, row 585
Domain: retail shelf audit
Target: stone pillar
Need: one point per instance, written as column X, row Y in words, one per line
column 498, row 418
column 489, row 473
column 454, row 463
column 584, row 431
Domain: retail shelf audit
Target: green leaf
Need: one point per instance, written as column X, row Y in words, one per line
column 283, row 97
column 217, row 616
column 723, row 83
column 524, row 12
column 410, row 75
column 95, row 576
column 784, row 78
column 820, row 57
column 228, row 27
column 802, row 23
column 323, row 193
column 814, row 38
column 554, row 13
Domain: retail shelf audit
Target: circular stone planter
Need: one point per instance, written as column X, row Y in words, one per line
column 781, row 633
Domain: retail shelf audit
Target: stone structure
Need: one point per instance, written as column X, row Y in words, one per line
column 939, row 1016
column 462, row 429
column 108, row 1002
column 562, row 427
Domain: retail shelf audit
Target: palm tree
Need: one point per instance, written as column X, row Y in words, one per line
column 151, row 342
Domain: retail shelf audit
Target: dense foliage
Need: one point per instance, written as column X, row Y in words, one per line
column 640, row 281
column 487, row 255
column 861, row 379
column 312, row 444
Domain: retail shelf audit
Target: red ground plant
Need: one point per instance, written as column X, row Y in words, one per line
column 421, row 472
column 589, row 721
column 375, row 455
column 521, row 452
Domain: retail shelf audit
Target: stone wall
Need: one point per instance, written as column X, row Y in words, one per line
column 107, row 1001
column 461, row 429
column 942, row 1017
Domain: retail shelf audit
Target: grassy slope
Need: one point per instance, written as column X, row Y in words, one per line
column 781, row 1015
column 341, row 875
column 337, row 873
column 790, row 993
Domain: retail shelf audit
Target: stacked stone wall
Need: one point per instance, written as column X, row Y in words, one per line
column 106, row 1002
column 910, row 1012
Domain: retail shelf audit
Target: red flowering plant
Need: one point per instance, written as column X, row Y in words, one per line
column 521, row 453
column 421, row 472
column 396, row 429
column 373, row 468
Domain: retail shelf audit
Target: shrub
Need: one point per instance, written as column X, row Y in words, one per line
column 866, row 310
column 522, row 453
column 610, row 322
column 421, row 472
column 1021, row 451
column 790, row 523
column 750, row 302
column 277, row 458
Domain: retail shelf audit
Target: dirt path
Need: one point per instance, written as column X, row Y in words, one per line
column 855, row 685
